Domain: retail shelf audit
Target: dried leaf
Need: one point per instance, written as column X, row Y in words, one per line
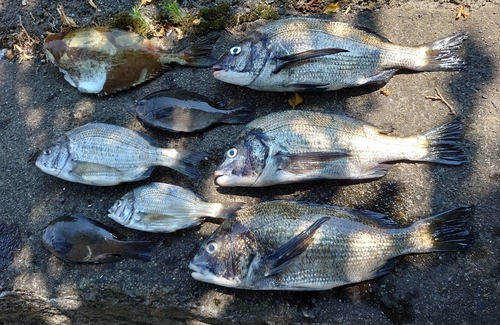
column 461, row 13
column 196, row 22
column 385, row 92
column 295, row 101
column 9, row 55
column 18, row 48
column 331, row 8
column 180, row 34
column 91, row 2
column 64, row 18
column 27, row 57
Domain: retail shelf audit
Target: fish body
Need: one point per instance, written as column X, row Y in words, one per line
column 296, row 146
column 159, row 207
column 178, row 110
column 312, row 54
column 104, row 154
column 77, row 238
column 287, row 245
column 103, row 60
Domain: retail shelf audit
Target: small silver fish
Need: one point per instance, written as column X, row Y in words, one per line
column 77, row 238
column 288, row 245
column 103, row 60
column 159, row 207
column 297, row 146
column 311, row 54
column 178, row 110
column 104, row 154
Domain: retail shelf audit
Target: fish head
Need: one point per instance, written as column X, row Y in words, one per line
column 122, row 210
column 244, row 161
column 81, row 56
column 243, row 62
column 53, row 159
column 225, row 258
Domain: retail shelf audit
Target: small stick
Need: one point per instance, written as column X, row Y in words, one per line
column 441, row 98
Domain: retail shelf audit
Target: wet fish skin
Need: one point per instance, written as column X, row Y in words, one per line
column 160, row 207
column 101, row 60
column 297, row 146
column 299, row 246
column 76, row 238
column 104, row 154
column 313, row 54
column 177, row 110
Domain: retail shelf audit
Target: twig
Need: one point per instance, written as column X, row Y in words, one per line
column 441, row 98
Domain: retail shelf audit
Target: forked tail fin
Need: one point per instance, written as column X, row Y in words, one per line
column 445, row 231
column 443, row 145
column 196, row 55
column 441, row 53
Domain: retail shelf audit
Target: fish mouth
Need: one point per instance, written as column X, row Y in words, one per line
column 217, row 70
column 220, row 178
column 202, row 273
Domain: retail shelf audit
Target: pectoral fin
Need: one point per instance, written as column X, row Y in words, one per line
column 283, row 256
column 304, row 56
column 305, row 162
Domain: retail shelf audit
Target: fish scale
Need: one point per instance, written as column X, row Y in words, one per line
column 104, row 154
column 312, row 54
column 290, row 245
column 294, row 146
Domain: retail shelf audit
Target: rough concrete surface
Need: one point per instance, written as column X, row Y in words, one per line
column 37, row 106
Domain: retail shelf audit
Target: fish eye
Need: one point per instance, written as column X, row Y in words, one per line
column 231, row 153
column 47, row 152
column 211, row 247
column 235, row 50
column 118, row 203
column 141, row 102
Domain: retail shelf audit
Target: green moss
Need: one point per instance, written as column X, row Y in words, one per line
column 214, row 18
column 262, row 11
column 124, row 20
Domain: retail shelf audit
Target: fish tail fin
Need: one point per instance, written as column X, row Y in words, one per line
column 227, row 210
column 442, row 232
column 140, row 250
column 442, row 146
column 440, row 54
column 183, row 161
column 196, row 55
column 239, row 115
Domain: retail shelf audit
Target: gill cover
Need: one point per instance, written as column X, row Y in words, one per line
column 225, row 257
column 245, row 161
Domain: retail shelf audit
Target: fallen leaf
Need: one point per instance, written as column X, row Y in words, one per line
column 385, row 92
column 145, row 2
column 64, row 18
column 18, row 48
column 91, row 2
column 196, row 22
column 331, row 8
column 9, row 55
column 461, row 13
column 26, row 56
column 295, row 101
column 179, row 32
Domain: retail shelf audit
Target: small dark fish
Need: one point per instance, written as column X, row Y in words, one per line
column 103, row 60
column 183, row 111
column 288, row 245
column 312, row 54
column 77, row 238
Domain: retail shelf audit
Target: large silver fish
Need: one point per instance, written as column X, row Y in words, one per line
column 77, row 238
column 104, row 154
column 286, row 245
column 159, row 207
column 103, row 60
column 179, row 110
column 296, row 146
column 311, row 54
